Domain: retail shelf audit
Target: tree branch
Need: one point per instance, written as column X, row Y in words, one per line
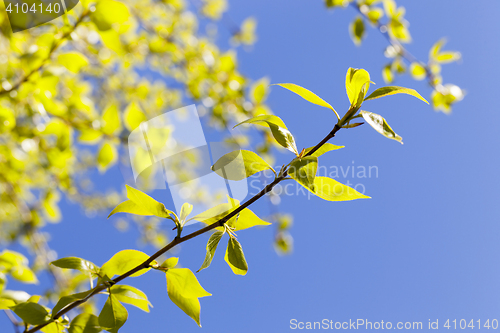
column 179, row 240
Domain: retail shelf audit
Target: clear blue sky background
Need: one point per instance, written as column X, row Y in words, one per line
column 424, row 247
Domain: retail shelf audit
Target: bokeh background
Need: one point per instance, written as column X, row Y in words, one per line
column 424, row 247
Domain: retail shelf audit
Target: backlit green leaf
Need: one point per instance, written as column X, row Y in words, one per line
column 387, row 74
column 357, row 83
column 31, row 313
column 323, row 149
column 235, row 257
column 80, row 264
column 258, row 91
column 303, row 170
column 85, row 323
column 307, row 95
column 240, row 164
column 281, row 134
column 184, row 290
column 111, row 120
column 447, row 57
column 417, row 71
column 109, row 12
column 130, row 207
column 146, row 203
column 246, row 219
column 73, row 61
column 380, row 125
column 131, row 295
column 6, row 304
column 113, row 315
column 124, row 261
column 170, row 262
column 331, row 190
column 66, row 300
column 23, row 274
column 212, row 243
column 357, row 30
column 106, row 157
column 392, row 90
column 133, row 116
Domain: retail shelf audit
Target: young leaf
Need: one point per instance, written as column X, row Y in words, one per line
column 380, row 125
column 80, row 264
column 131, row 295
column 212, row 243
column 323, row 149
column 113, row 315
column 357, row 30
column 133, row 116
column 246, row 219
column 6, row 304
column 144, row 205
column 106, row 157
column 304, row 170
column 235, row 257
column 392, row 90
column 31, row 313
column 184, row 290
column 124, row 261
column 85, row 323
column 23, row 274
column 66, row 300
column 111, row 120
column 170, row 262
column 280, row 133
column 186, row 209
column 73, row 61
column 331, row 190
column 357, row 83
column 307, row 95
column 417, row 71
column 240, row 164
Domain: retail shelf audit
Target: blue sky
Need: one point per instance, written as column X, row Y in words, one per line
column 424, row 247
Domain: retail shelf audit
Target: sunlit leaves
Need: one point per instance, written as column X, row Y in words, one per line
column 186, row 209
column 184, row 290
column 281, row 134
column 357, row 83
column 67, row 300
column 307, row 95
column 380, row 125
column 259, row 90
column 131, row 295
column 133, row 116
column 141, row 204
column 212, row 243
column 16, row 264
column 235, row 257
column 357, row 30
column 446, row 96
column 246, row 35
column 111, row 120
column 303, row 170
column 85, row 323
column 7, row 119
column 246, row 219
column 73, row 61
column 337, row 3
column 392, row 90
column 331, row 190
column 214, row 8
column 124, row 261
column 170, row 262
column 417, row 71
column 113, row 315
column 397, row 26
column 31, row 313
column 323, row 149
column 442, row 57
column 240, row 164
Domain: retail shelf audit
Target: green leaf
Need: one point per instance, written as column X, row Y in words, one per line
column 31, row 313
column 258, row 90
column 392, row 90
column 325, row 148
column 357, row 30
column 131, row 295
column 113, row 315
column 417, row 71
column 144, row 205
column 106, row 157
column 281, row 134
column 212, row 243
column 387, row 74
column 24, row 274
column 133, row 116
column 111, row 120
column 246, row 219
column 235, row 257
column 9, row 259
column 447, row 57
column 357, row 83
column 130, row 207
column 66, row 300
column 170, row 262
column 215, row 213
column 73, row 61
column 186, row 209
column 240, row 164
column 331, row 190
column 436, row 48
column 380, row 125
column 124, row 261
column 85, row 323
column 307, row 95
column 303, row 170
column 80, row 264
column 109, row 12
column 184, row 290
column 6, row 304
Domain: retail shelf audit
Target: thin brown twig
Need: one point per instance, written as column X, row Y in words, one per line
column 178, row 240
